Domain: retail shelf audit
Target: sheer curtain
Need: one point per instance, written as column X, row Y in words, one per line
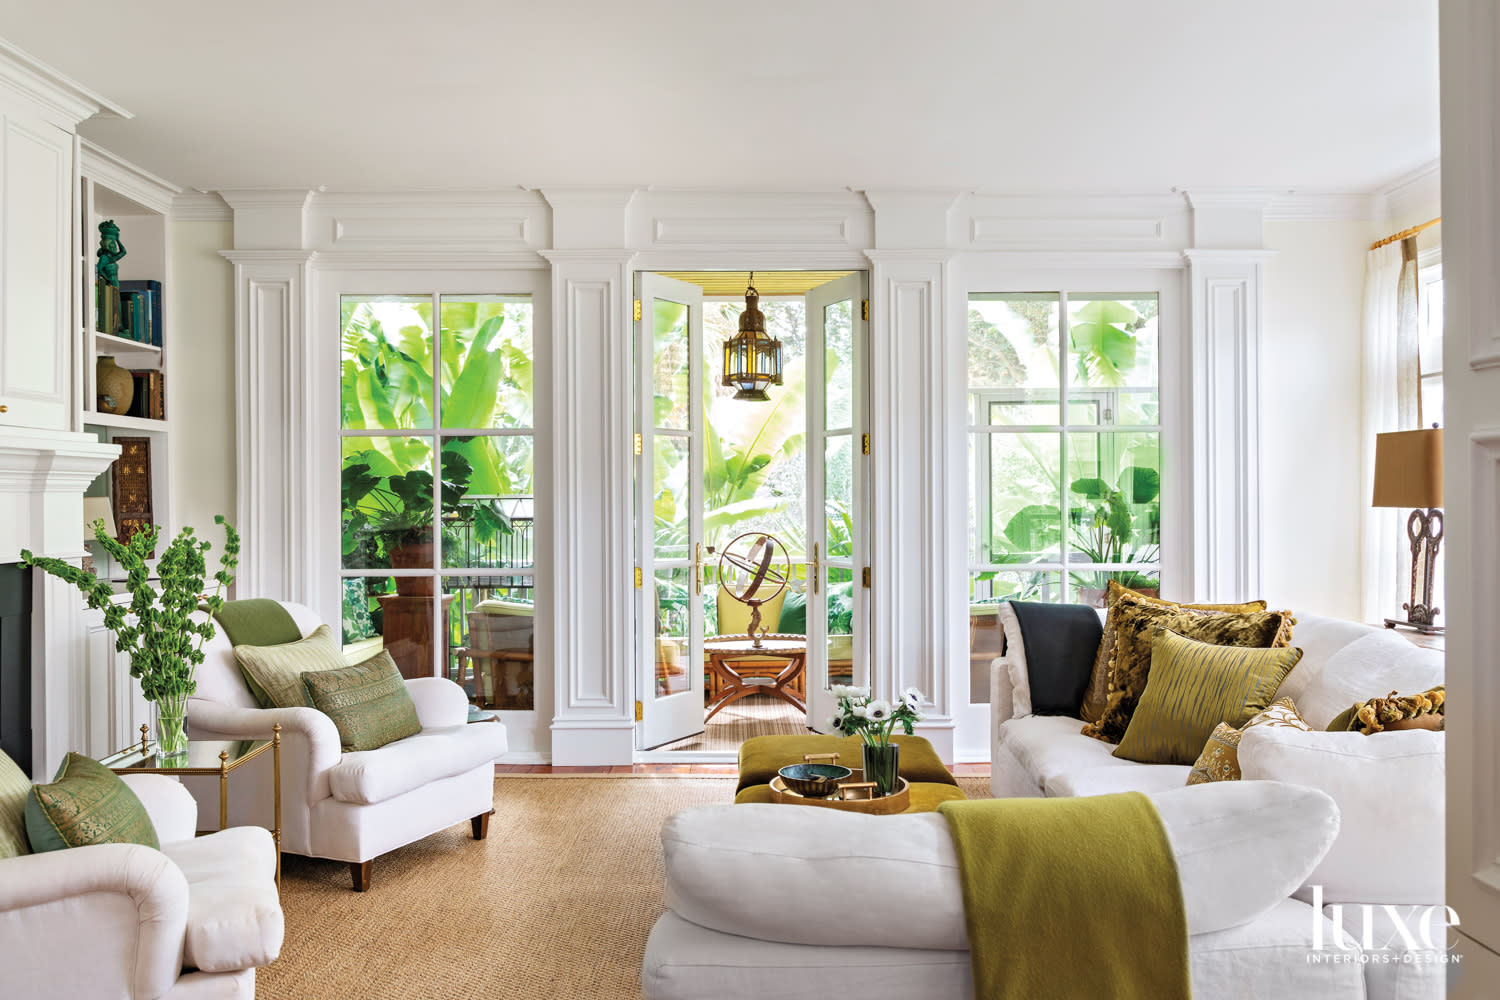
column 1390, row 404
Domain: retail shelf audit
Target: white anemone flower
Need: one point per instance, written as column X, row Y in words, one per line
column 834, row 723
column 912, row 697
column 859, row 692
column 839, row 690
column 859, row 711
column 878, row 710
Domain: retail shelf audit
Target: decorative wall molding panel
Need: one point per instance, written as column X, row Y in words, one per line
column 985, row 222
column 592, row 561
column 1470, row 33
column 274, row 370
column 1224, row 292
column 274, row 220
column 689, row 221
column 910, row 479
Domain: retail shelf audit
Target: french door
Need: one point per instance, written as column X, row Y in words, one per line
column 710, row 468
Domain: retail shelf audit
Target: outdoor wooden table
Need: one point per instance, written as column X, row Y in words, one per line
column 736, row 687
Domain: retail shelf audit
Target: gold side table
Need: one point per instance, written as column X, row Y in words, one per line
column 207, row 757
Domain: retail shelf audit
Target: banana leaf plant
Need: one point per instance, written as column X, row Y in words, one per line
column 398, row 509
column 1103, row 526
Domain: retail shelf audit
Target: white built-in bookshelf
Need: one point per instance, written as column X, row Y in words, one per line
column 140, row 204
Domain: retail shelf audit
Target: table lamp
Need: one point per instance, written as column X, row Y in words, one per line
column 1409, row 473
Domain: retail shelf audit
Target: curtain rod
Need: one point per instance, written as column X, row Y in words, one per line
column 1414, row 230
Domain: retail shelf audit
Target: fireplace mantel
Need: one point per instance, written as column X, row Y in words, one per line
column 43, row 475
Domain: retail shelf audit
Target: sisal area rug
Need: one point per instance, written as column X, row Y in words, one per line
column 557, row 902
column 757, row 716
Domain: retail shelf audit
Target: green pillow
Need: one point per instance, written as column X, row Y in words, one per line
column 86, row 804
column 793, row 615
column 1192, row 688
column 368, row 702
column 14, row 788
column 274, row 673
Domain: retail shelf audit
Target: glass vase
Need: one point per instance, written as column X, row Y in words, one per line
column 881, row 763
column 171, row 725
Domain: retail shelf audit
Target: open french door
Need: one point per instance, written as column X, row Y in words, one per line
column 837, row 616
column 669, row 507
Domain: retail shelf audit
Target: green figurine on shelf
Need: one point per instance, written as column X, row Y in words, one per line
column 109, row 254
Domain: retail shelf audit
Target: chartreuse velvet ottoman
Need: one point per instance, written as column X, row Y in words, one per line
column 762, row 756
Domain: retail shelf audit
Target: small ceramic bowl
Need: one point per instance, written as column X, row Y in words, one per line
column 814, row 780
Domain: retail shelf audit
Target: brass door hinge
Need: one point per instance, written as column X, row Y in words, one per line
column 638, row 443
column 864, row 310
column 864, row 445
column 640, row 578
column 865, row 576
column 640, row 711
column 637, row 310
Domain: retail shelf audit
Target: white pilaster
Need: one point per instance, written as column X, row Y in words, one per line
column 591, row 556
column 274, row 369
column 1224, row 292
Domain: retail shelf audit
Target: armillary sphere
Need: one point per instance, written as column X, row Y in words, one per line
column 754, row 568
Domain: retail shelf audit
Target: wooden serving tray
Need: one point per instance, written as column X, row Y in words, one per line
column 897, row 801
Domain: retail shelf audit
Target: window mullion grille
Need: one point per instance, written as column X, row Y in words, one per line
column 1065, row 445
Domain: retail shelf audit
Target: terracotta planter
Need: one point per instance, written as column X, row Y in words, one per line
column 413, row 555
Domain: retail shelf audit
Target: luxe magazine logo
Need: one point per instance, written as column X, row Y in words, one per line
column 1382, row 933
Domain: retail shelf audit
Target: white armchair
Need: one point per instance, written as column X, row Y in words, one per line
column 350, row 807
column 195, row 919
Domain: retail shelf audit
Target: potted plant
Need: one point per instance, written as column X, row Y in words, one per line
column 1103, row 527
column 397, row 513
column 156, row 627
column 873, row 721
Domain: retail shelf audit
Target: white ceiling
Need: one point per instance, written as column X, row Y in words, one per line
column 1007, row 96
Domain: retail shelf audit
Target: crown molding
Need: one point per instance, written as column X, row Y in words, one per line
column 201, row 206
column 239, row 198
column 1325, row 206
column 1416, row 192
column 418, row 259
column 61, row 94
column 123, row 177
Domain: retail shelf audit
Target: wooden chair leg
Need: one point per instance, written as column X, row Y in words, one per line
column 361, row 871
column 481, row 825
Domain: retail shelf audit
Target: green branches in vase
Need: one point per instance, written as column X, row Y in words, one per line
column 156, row 626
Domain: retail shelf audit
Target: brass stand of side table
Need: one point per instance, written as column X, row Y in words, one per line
column 199, row 760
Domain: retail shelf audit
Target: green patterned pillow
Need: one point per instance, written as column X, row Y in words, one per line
column 274, row 673
column 368, row 702
column 1195, row 686
column 14, row 787
column 86, row 804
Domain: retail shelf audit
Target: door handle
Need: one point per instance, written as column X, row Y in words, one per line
column 698, row 567
column 817, row 568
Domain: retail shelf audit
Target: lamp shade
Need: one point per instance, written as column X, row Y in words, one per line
column 97, row 509
column 1409, row 469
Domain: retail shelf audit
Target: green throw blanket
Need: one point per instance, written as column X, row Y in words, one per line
column 257, row 621
column 1070, row 898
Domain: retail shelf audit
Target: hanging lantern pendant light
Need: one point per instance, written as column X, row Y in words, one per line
column 752, row 360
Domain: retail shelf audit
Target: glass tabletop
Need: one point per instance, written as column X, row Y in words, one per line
column 202, row 755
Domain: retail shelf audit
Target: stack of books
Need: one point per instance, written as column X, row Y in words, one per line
column 140, row 312
column 150, row 395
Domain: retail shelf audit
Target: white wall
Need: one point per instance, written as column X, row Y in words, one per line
column 201, row 375
column 1311, row 397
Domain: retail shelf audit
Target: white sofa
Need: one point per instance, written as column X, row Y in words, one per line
column 192, row 921
column 1342, row 662
column 350, row 807
column 768, row 901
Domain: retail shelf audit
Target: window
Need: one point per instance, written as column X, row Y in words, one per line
column 1065, row 453
column 437, row 440
column 1430, row 336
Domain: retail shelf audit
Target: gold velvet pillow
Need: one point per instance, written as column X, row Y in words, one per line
column 1097, row 695
column 1135, row 625
column 1220, row 759
column 1194, row 687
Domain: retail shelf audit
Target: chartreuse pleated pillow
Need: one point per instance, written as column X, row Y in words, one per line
column 14, row 787
column 86, row 804
column 1195, row 686
column 368, row 702
column 274, row 673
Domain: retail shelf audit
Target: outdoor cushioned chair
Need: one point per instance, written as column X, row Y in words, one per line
column 192, row 920
column 349, row 807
